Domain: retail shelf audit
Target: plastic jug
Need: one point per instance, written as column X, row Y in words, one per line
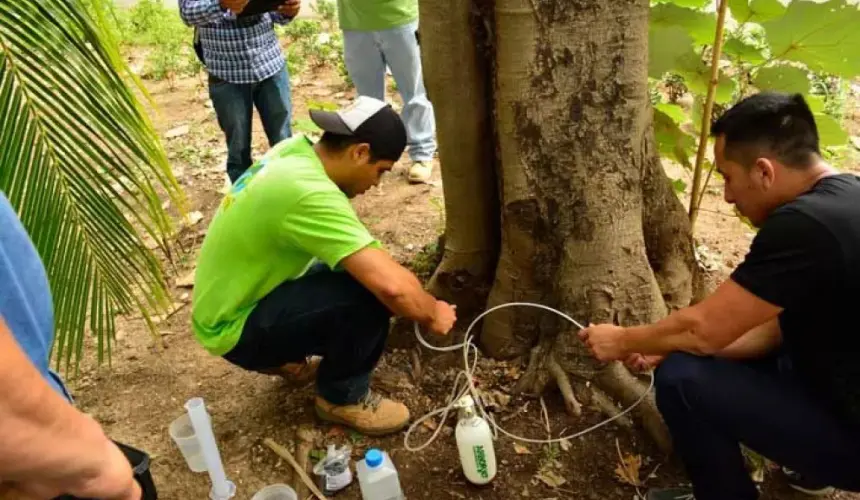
column 475, row 444
column 377, row 477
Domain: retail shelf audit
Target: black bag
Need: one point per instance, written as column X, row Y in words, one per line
column 198, row 47
column 139, row 461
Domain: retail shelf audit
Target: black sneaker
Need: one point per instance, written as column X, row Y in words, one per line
column 804, row 485
column 670, row 494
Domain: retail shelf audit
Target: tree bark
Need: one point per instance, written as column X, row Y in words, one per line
column 590, row 224
column 457, row 84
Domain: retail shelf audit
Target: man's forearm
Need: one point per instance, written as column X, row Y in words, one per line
column 410, row 300
column 676, row 332
column 200, row 12
column 42, row 437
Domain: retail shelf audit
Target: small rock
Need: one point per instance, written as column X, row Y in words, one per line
column 194, row 217
column 410, row 247
column 177, row 132
column 187, row 281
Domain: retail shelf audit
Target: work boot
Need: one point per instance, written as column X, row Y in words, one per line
column 372, row 416
column 298, row 373
column 420, row 172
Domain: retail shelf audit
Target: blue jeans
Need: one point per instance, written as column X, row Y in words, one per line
column 323, row 313
column 234, row 105
column 713, row 405
column 366, row 54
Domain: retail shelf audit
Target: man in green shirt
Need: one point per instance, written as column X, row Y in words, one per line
column 287, row 271
column 377, row 33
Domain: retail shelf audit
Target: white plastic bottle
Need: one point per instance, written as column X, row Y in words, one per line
column 377, row 477
column 475, row 444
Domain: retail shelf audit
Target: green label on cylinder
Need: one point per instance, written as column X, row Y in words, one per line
column 481, row 461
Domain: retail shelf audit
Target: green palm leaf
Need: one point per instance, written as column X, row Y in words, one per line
column 80, row 162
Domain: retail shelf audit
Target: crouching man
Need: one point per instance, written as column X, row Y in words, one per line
column 288, row 271
column 769, row 360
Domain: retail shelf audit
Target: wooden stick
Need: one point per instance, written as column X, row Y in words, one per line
column 286, row 455
column 303, row 449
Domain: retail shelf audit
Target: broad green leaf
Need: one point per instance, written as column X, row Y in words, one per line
column 81, row 164
column 742, row 51
column 830, row 132
column 697, row 76
column 693, row 4
column 782, row 78
column 824, row 36
column 756, row 11
column 816, row 103
column 666, row 45
column 700, row 25
column 672, row 142
column 679, row 185
column 673, row 111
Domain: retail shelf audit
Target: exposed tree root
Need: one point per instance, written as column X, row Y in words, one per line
column 604, row 404
column 563, row 382
column 626, row 389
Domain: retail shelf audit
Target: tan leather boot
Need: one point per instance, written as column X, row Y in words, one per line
column 298, row 373
column 373, row 415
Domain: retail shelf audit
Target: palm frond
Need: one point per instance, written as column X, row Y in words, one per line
column 82, row 165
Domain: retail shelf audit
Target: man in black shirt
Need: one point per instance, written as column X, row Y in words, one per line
column 770, row 359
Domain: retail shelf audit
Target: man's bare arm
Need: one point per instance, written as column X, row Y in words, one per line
column 757, row 342
column 46, row 445
column 399, row 289
column 705, row 328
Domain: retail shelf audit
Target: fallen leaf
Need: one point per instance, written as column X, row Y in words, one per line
column 177, row 132
column 335, row 432
column 521, row 450
column 551, row 479
column 430, row 424
column 565, row 444
column 628, row 470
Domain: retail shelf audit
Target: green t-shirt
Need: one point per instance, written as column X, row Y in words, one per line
column 279, row 218
column 376, row 15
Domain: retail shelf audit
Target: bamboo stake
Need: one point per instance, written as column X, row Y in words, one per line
column 695, row 199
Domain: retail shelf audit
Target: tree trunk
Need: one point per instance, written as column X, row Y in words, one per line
column 589, row 221
column 458, row 85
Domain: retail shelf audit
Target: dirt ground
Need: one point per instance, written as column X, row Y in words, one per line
column 151, row 378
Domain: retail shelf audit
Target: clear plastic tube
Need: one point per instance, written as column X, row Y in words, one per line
column 222, row 488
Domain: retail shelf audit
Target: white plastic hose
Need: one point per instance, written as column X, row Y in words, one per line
column 467, row 372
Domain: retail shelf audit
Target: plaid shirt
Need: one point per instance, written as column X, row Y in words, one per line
column 243, row 50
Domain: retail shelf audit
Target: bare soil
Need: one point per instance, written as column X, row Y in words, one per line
column 151, row 377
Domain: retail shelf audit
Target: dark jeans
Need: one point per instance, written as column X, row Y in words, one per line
column 712, row 405
column 323, row 313
column 234, row 105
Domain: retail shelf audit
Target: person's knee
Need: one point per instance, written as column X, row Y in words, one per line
column 679, row 374
column 363, row 298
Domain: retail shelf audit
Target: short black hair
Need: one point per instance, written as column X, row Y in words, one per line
column 770, row 123
column 337, row 143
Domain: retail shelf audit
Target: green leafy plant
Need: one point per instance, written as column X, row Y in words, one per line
column 167, row 41
column 801, row 46
column 83, row 167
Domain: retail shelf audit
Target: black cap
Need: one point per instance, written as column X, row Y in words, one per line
column 370, row 120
